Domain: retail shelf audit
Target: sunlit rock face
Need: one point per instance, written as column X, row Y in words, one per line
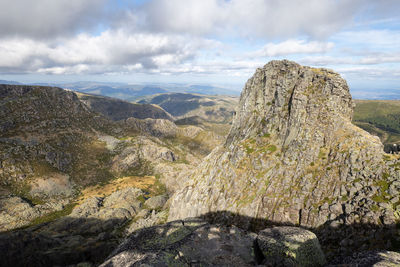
column 293, row 156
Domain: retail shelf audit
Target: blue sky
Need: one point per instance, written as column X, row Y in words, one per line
column 197, row 41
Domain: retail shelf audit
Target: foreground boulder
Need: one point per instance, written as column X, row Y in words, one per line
column 290, row 246
column 293, row 157
column 194, row 242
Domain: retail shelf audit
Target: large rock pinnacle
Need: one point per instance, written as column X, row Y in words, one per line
column 294, row 157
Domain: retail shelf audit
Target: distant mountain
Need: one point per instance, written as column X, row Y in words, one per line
column 366, row 94
column 131, row 92
column 9, row 82
column 218, row 109
column 211, row 90
column 116, row 90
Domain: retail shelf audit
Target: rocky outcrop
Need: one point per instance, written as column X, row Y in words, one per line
column 16, row 212
column 293, row 157
column 88, row 234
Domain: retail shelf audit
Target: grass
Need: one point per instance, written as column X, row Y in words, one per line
column 249, row 150
column 145, row 183
column 272, row 148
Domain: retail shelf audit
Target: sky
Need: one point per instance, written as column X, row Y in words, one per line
column 219, row 42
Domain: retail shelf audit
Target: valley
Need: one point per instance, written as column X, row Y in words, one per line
column 379, row 117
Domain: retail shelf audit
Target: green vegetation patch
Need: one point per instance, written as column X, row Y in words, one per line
column 52, row 216
column 271, row 148
column 379, row 117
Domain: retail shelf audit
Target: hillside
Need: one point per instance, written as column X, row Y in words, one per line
column 379, row 117
column 213, row 113
column 181, row 105
column 116, row 109
column 71, row 176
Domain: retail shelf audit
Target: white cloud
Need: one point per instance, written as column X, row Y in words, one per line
column 48, row 18
column 110, row 51
column 255, row 18
column 291, row 46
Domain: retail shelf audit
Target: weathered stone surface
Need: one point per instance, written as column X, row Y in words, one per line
column 140, row 151
column 290, row 246
column 52, row 185
column 156, row 202
column 147, row 219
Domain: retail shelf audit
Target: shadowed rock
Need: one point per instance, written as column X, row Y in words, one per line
column 290, row 246
column 194, row 242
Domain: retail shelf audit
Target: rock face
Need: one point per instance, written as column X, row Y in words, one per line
column 293, row 157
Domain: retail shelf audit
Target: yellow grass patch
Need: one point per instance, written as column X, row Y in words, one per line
column 145, row 183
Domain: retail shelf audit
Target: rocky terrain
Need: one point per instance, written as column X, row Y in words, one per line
column 59, row 156
column 89, row 181
column 88, row 234
column 293, row 157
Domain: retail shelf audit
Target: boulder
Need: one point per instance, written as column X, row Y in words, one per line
column 145, row 219
column 156, row 202
column 290, row 246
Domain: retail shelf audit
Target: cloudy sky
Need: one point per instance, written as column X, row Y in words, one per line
column 199, row 41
